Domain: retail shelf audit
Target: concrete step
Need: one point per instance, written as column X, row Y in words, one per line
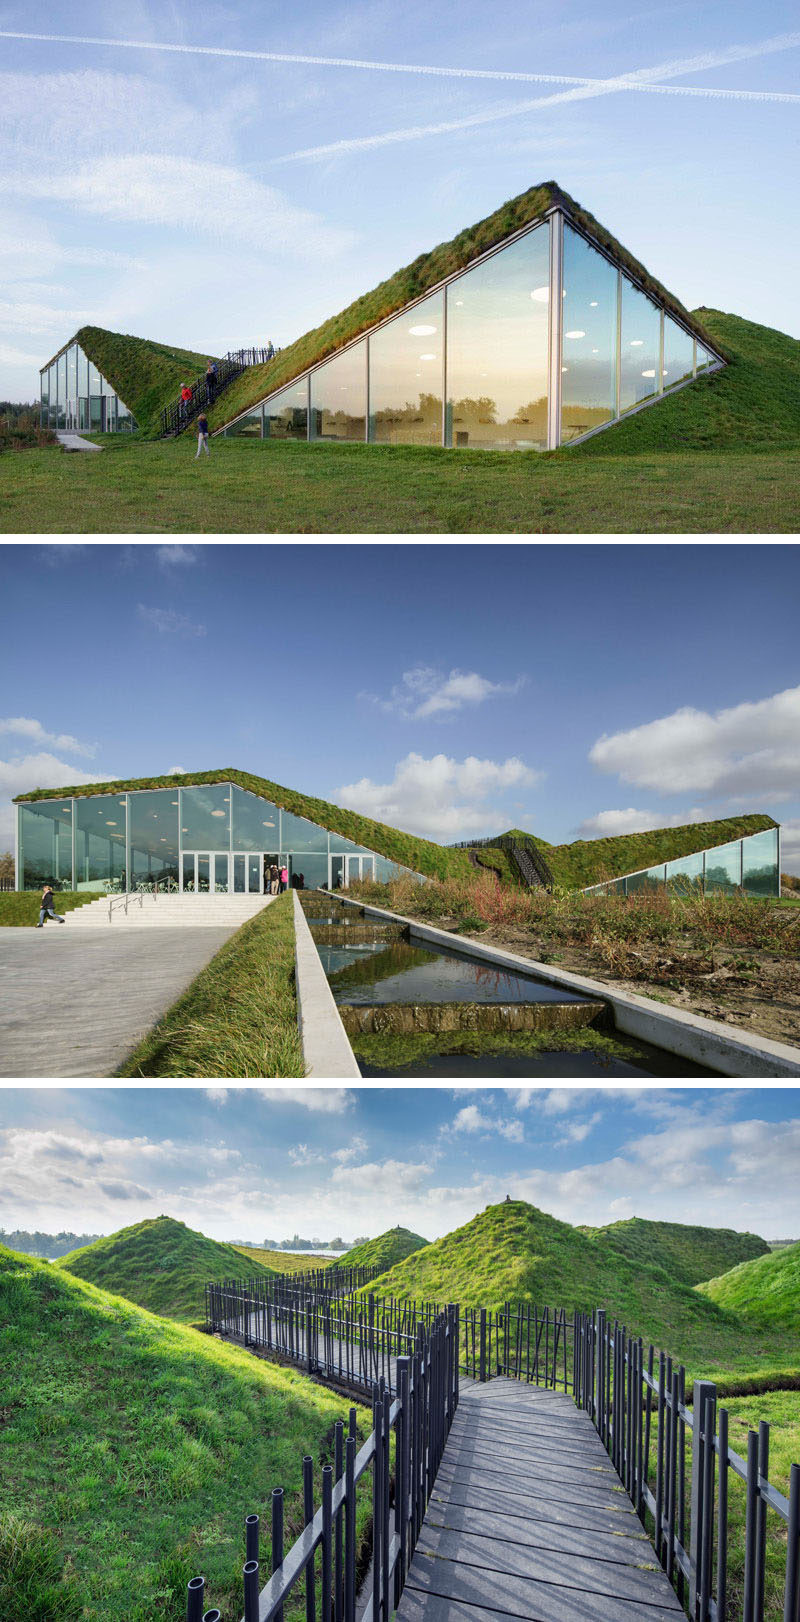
column 217, row 911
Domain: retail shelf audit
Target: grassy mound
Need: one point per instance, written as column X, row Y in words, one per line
column 765, row 1291
column 145, row 374
column 753, row 401
column 590, row 861
column 424, row 273
column 287, row 1261
column 20, row 908
column 690, row 1254
column 514, row 1252
column 386, row 1251
column 162, row 1265
column 239, row 1017
column 131, row 1450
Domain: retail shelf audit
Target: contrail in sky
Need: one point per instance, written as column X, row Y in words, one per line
column 697, row 64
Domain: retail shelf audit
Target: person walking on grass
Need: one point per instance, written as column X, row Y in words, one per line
column 202, row 435
column 47, row 909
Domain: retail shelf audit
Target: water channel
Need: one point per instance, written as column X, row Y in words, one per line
column 417, row 1010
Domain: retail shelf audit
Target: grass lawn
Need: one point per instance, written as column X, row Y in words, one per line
column 285, row 1261
column 131, row 1450
column 20, row 908
column 239, row 1017
column 162, row 1265
column 283, row 487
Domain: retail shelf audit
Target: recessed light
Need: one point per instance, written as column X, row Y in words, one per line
column 565, row 368
column 636, row 343
column 268, row 825
column 422, row 331
column 459, row 303
column 577, row 333
column 593, row 304
column 111, row 825
column 651, row 373
column 427, row 357
column 218, row 813
column 595, row 351
column 541, row 295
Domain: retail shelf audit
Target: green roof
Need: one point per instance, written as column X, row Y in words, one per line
column 145, row 374
column 426, row 272
column 584, row 862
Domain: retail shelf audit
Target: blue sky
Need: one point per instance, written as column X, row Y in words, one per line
column 217, row 200
column 450, row 690
column 268, row 1162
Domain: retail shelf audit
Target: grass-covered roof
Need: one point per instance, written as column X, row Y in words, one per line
column 584, row 862
column 426, row 272
column 145, row 374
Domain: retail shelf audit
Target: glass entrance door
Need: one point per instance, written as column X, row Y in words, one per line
column 205, row 872
column 247, row 873
column 357, row 867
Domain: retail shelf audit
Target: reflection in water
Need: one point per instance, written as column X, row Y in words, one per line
column 405, row 973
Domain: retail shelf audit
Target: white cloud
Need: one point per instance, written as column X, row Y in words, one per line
column 790, row 846
column 607, row 824
column 439, row 798
column 751, row 749
column 319, row 1100
column 577, row 1131
column 424, row 692
column 175, row 771
column 213, row 200
column 301, row 1155
column 25, row 727
column 27, row 772
column 177, row 556
column 471, row 1119
column 167, row 621
column 357, row 1146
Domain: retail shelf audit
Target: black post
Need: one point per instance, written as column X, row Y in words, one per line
column 277, row 1538
column 251, row 1525
column 250, row 1574
column 194, row 1599
column 703, row 1390
column 350, row 1531
column 722, row 1525
column 791, row 1603
column 338, row 1461
column 327, row 1498
column 482, row 1375
column 308, row 1512
column 377, row 1503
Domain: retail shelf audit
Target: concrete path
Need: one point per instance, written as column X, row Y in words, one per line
column 74, row 1004
column 528, row 1519
column 74, row 442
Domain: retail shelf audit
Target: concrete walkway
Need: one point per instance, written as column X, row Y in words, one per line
column 528, row 1519
column 75, row 442
column 75, row 1004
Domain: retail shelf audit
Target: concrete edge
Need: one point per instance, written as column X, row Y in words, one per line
column 326, row 1045
column 687, row 1036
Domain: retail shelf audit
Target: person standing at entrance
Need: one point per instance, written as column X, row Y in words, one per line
column 274, row 879
column 47, row 909
column 202, row 435
column 284, row 879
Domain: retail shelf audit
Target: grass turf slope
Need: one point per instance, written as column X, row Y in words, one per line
column 162, row 1265
column 753, row 401
column 590, row 861
column 131, row 1450
column 415, row 279
column 765, row 1291
column 386, row 1251
column 690, row 1254
column 514, row 1252
column 145, row 374
column 421, row 855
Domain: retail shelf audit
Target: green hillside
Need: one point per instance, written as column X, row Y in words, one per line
column 590, row 861
column 162, row 1265
column 690, row 1254
column 385, row 1251
column 424, row 273
column 765, row 1291
column 514, row 1252
column 421, row 855
column 753, row 401
column 131, row 1450
column 145, row 374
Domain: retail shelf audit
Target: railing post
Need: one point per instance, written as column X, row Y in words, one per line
column 401, row 1471
column 482, row 1374
column 350, row 1531
column 377, row 1503
column 327, row 1497
column 277, row 1538
column 791, row 1603
column 194, row 1599
column 703, row 1391
column 308, row 1513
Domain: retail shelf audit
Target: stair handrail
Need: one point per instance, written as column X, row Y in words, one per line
column 180, row 413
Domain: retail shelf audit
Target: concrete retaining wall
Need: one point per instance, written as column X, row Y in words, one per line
column 326, row 1048
column 687, row 1036
column 408, row 1019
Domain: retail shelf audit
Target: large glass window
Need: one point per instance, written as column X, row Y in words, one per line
column 248, row 427
column 286, row 416
column 99, row 842
column 153, row 834
column 45, row 844
column 651, row 879
column 339, row 396
column 205, row 817
column 703, row 358
column 314, row 869
column 678, row 353
column 61, row 414
column 497, row 348
column 255, row 821
column 72, row 372
column 589, row 343
column 297, row 833
column 406, row 359
column 760, row 863
column 639, row 347
column 45, row 397
column 724, row 867
column 685, row 874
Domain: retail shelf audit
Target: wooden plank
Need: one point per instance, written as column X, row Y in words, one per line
column 460, row 1551
column 528, row 1598
column 532, row 1505
column 549, row 1483
column 628, row 1548
column 526, row 1458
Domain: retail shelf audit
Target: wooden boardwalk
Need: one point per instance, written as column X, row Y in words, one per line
column 529, row 1519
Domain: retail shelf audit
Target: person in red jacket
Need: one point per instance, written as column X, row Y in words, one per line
column 186, row 395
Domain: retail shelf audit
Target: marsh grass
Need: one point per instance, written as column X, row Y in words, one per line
column 239, row 1017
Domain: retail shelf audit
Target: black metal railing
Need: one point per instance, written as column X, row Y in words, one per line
column 253, row 357
column 325, row 1555
column 525, row 855
column 176, row 417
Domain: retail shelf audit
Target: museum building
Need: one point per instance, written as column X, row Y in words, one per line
column 74, row 394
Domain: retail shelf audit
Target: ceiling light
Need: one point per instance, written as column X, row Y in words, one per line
column 565, row 368
column 577, row 333
column 268, row 825
column 111, row 825
column 651, row 373
column 422, row 332
column 218, row 813
column 593, row 304
column 173, row 802
column 427, row 357
column 66, row 808
column 163, row 839
column 541, row 294
column 459, row 303
column 636, row 343
column 595, row 351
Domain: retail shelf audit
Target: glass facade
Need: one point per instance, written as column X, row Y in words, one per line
column 75, row 395
column 519, row 366
column 589, row 340
column 339, row 396
column 201, row 837
column 406, row 374
column 498, row 323
column 751, row 864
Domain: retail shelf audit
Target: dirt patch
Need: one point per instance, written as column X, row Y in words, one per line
column 754, row 990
